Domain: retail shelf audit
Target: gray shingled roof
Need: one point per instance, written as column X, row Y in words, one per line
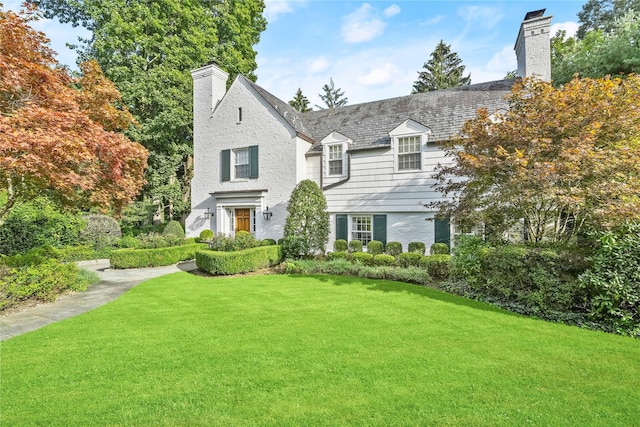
column 290, row 114
column 368, row 125
column 443, row 111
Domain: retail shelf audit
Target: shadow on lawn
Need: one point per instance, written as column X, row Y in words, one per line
column 383, row 285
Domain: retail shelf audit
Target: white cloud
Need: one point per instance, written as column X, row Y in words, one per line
column 275, row 8
column 380, row 75
column 503, row 61
column 486, row 17
column 318, row 65
column 571, row 28
column 433, row 21
column 392, row 10
column 362, row 25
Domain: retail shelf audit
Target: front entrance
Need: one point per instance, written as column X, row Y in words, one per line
column 243, row 220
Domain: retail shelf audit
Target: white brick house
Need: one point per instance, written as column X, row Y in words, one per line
column 374, row 161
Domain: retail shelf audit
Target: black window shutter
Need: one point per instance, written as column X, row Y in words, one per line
column 380, row 228
column 253, row 161
column 442, row 231
column 341, row 226
column 225, row 160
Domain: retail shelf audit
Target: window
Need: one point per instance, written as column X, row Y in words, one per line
column 409, row 153
column 242, row 163
column 239, row 114
column 335, row 159
column 361, row 229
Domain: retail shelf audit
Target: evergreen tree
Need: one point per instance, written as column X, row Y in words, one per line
column 300, row 102
column 443, row 70
column 306, row 229
column 332, row 97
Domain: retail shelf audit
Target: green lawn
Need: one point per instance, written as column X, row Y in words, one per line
column 322, row 350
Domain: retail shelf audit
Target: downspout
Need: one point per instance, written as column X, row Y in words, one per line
column 342, row 181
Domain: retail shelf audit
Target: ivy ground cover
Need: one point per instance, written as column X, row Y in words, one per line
column 313, row 350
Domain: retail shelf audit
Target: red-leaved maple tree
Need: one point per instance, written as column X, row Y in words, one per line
column 60, row 136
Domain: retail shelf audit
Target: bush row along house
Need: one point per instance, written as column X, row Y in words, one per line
column 374, row 161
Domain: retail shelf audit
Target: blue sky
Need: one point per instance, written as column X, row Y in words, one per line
column 372, row 49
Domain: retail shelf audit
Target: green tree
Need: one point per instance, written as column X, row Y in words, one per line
column 306, row 229
column 598, row 53
column 559, row 159
column 601, row 14
column 147, row 49
column 300, row 102
column 443, row 70
column 331, row 96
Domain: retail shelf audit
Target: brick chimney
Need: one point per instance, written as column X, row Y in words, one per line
column 533, row 48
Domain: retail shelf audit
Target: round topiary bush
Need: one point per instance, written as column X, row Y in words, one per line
column 336, row 255
column 439, row 249
column 410, row 259
column 417, row 247
column 355, row 246
column 438, row 266
column 244, row 240
column 384, row 259
column 362, row 257
column 206, row 235
column 267, row 242
column 340, row 245
column 375, row 247
column 394, row 248
column 173, row 229
column 101, row 230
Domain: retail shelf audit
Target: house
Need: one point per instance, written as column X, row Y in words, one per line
column 373, row 161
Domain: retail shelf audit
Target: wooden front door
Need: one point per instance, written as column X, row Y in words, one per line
column 243, row 220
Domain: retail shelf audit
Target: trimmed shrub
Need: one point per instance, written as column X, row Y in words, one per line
column 101, row 231
column 128, row 242
column 439, row 249
column 206, row 235
column 42, row 282
column 293, row 247
column 375, row 247
column 394, row 248
column 384, row 259
column 267, row 242
column 221, row 242
column 337, row 255
column 173, row 232
column 308, row 220
column 438, row 266
column 340, row 245
column 280, row 241
column 138, row 258
column 362, row 257
column 409, row 259
column 467, row 261
column 224, row 263
column 355, row 246
column 244, row 240
column 417, row 247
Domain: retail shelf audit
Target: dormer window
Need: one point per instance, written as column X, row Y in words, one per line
column 335, row 159
column 409, row 153
column 409, row 141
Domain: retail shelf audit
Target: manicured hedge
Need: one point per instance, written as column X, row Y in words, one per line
column 438, row 266
column 222, row 263
column 137, row 258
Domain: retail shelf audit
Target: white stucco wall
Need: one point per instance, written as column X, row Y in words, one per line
column 279, row 167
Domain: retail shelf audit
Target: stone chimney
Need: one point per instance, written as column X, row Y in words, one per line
column 533, row 48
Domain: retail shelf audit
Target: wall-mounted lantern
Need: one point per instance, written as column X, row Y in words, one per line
column 267, row 214
column 208, row 214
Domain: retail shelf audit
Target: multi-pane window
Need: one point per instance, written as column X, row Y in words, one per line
column 409, row 153
column 361, row 229
column 335, row 159
column 242, row 163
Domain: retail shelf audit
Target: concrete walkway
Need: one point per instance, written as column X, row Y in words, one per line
column 113, row 284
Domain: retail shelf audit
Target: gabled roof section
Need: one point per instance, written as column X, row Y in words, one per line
column 443, row 112
column 288, row 113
